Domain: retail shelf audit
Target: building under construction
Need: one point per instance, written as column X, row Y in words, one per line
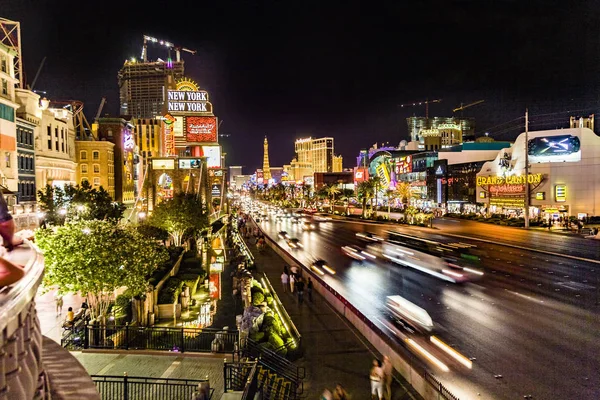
column 437, row 132
column 143, row 85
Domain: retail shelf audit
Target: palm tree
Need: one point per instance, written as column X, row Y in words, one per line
column 391, row 195
column 332, row 190
column 375, row 182
column 347, row 195
column 364, row 191
column 404, row 193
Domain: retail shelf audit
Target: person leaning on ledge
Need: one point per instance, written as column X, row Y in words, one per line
column 9, row 272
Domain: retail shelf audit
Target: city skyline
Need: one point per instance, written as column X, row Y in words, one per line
column 345, row 76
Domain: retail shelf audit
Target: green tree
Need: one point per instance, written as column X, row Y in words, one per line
column 80, row 202
column 181, row 216
column 97, row 257
column 332, row 190
column 391, row 195
column 364, row 191
column 347, row 195
column 375, row 182
column 404, row 193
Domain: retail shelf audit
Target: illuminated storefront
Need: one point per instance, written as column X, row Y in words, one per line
column 564, row 175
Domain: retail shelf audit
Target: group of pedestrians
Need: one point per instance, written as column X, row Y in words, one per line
column 381, row 379
column 292, row 280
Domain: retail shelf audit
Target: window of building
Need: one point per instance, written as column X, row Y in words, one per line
column 84, row 168
column 62, row 147
column 96, row 181
column 83, row 155
column 7, row 157
column 84, row 180
column 4, row 64
column 96, row 168
column 56, row 144
column 96, row 155
column 4, row 87
column 7, row 113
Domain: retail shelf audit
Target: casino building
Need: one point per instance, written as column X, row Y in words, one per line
column 564, row 175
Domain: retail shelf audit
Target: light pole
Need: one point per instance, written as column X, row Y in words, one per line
column 526, row 169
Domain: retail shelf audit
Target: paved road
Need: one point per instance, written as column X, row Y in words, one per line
column 530, row 323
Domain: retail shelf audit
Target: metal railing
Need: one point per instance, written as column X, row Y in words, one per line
column 141, row 388
column 277, row 364
column 445, row 393
column 127, row 337
column 237, row 375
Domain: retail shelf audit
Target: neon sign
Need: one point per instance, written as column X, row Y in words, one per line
column 184, row 101
column 201, row 129
column 508, row 180
column 128, row 142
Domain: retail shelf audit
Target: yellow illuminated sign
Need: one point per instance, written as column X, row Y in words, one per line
column 560, row 193
column 508, row 180
column 540, row 196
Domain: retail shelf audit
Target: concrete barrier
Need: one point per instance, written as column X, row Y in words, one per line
column 414, row 375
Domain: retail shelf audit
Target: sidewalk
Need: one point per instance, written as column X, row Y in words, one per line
column 333, row 351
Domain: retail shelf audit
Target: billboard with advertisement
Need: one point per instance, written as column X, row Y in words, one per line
column 214, row 286
column 178, row 126
column 189, row 163
column 561, row 148
column 361, row 175
column 213, row 155
column 200, row 129
column 403, row 165
column 158, row 163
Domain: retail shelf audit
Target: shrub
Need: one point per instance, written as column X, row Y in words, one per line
column 257, row 298
column 257, row 336
column 278, row 344
column 169, row 293
column 191, row 281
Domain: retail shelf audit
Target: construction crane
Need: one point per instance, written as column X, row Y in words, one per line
column 462, row 107
column 420, row 103
column 83, row 130
column 170, row 46
column 102, row 102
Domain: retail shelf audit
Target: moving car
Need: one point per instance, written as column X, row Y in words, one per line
column 370, row 237
column 308, row 226
column 294, row 243
column 283, row 235
column 320, row 267
column 404, row 311
column 357, row 253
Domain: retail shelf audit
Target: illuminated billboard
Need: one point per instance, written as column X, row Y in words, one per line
column 561, row 148
column 403, row 165
column 188, row 102
column 163, row 164
column 213, row 154
column 201, row 129
column 189, row 163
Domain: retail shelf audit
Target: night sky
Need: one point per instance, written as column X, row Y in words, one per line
column 290, row 69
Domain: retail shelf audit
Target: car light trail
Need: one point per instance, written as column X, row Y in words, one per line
column 368, row 254
column 473, row 271
column 427, row 355
column 452, row 273
column 317, row 270
column 328, row 269
column 453, row 353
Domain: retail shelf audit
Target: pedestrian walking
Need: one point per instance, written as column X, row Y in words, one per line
column 59, row 303
column 376, row 378
column 309, row 289
column 286, row 270
column 300, row 290
column 294, row 270
column 292, row 283
column 340, row 393
column 285, row 280
column 387, row 377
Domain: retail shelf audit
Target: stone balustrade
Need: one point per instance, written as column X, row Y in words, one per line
column 31, row 366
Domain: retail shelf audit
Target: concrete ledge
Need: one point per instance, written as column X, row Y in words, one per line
column 68, row 380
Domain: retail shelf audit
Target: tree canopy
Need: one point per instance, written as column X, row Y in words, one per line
column 80, row 202
column 183, row 215
column 96, row 258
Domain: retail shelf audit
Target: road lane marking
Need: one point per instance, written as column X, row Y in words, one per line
column 171, row 369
